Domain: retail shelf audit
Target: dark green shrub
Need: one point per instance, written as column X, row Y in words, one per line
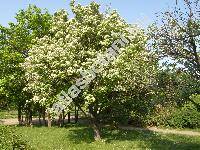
column 10, row 140
column 186, row 117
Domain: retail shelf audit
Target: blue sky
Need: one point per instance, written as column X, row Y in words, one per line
column 142, row 11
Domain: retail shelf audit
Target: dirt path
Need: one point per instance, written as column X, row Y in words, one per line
column 35, row 121
column 154, row 129
column 8, row 121
column 165, row 131
column 15, row 121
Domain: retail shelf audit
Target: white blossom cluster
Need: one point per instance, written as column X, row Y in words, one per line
column 89, row 75
column 56, row 60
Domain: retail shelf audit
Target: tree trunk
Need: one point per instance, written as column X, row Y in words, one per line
column 22, row 118
column 39, row 117
column 49, row 119
column 95, row 127
column 76, row 114
column 30, row 118
column 19, row 115
column 43, row 116
column 63, row 119
column 59, row 120
column 26, row 117
column 68, row 114
column 97, row 135
column 93, row 123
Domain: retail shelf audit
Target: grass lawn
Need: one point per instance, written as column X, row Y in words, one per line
column 4, row 114
column 77, row 137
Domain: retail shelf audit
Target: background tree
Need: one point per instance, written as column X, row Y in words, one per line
column 16, row 40
column 177, row 36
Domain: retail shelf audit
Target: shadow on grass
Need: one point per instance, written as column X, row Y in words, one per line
column 80, row 134
column 147, row 139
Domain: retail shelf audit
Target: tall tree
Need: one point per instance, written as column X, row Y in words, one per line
column 15, row 42
column 56, row 61
column 178, row 36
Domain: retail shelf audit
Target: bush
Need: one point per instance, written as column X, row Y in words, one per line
column 159, row 116
column 186, row 117
column 10, row 140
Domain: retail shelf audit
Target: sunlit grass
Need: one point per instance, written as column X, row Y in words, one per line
column 74, row 137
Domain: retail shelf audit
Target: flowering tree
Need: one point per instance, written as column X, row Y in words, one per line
column 73, row 45
column 125, row 85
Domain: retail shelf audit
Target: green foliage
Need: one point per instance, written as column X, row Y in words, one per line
column 15, row 42
column 183, row 117
column 5, row 114
column 177, row 37
column 173, row 90
column 54, row 63
column 186, row 117
column 10, row 140
column 159, row 116
column 130, row 89
column 196, row 98
column 175, row 87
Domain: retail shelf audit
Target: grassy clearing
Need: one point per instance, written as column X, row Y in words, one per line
column 4, row 114
column 80, row 137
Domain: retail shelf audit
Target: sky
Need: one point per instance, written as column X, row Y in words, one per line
column 133, row 11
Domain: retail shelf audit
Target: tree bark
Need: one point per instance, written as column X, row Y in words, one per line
column 76, row 114
column 97, row 134
column 49, row 119
column 43, row 116
column 93, row 123
column 68, row 114
column 59, row 120
column 39, row 116
column 30, row 117
column 19, row 115
column 26, row 116
column 22, row 118
column 63, row 119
